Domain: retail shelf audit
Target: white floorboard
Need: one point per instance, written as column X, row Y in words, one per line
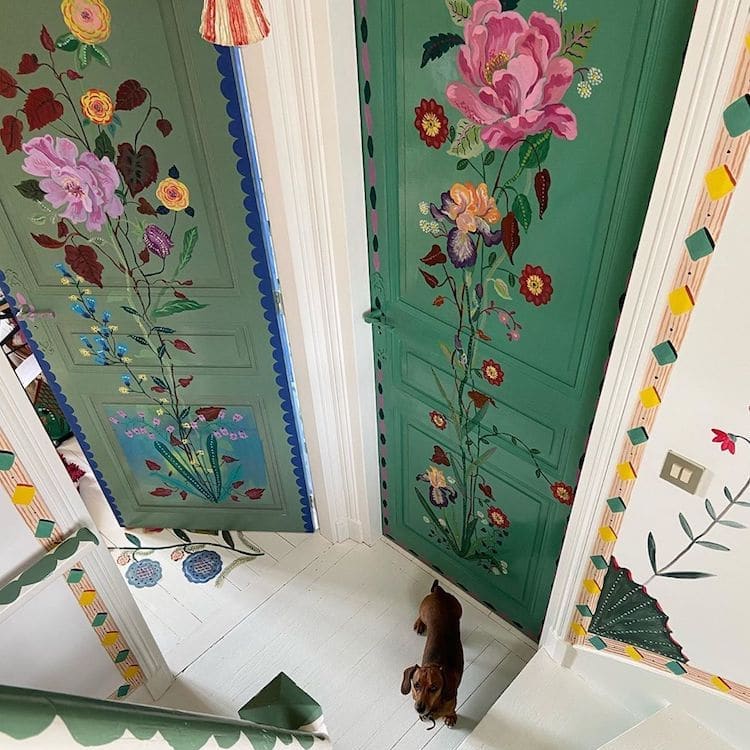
column 337, row 619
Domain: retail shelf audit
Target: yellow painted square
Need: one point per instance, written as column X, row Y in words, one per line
column 23, row 494
column 719, row 684
column 578, row 630
column 681, row 300
column 131, row 672
column 110, row 638
column 87, row 598
column 592, row 586
column 650, row 397
column 720, row 182
column 626, row 472
column 633, row 653
column 607, row 534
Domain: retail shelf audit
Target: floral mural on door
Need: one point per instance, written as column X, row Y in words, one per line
column 512, row 75
column 119, row 216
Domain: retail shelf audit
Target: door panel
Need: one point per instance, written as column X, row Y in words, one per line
column 510, row 153
column 165, row 343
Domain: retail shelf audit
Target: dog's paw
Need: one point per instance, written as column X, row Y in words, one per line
column 450, row 721
column 419, row 627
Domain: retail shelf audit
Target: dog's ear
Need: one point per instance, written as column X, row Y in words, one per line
column 406, row 682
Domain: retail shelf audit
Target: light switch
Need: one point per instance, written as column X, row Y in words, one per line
column 682, row 473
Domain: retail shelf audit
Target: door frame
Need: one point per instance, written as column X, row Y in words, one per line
column 304, row 94
column 718, row 32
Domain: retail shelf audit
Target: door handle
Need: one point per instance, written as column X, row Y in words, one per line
column 377, row 318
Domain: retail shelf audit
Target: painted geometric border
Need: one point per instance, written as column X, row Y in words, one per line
column 228, row 64
column 725, row 168
column 26, row 499
column 106, row 629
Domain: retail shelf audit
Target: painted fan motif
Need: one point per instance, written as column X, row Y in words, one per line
column 627, row 613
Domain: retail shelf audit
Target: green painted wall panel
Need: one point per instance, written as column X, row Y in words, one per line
column 510, row 153
column 128, row 208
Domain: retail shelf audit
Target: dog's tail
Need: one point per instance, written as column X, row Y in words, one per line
column 435, row 585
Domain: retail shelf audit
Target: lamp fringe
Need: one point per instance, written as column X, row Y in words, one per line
column 233, row 23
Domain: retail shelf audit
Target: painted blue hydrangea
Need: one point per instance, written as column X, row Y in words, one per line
column 203, row 566
column 143, row 573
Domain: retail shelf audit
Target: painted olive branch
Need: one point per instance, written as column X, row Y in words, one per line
column 717, row 519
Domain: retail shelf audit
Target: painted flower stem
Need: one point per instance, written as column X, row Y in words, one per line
column 185, row 545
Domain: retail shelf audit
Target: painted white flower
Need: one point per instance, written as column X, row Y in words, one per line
column 430, row 227
column 85, row 352
column 123, row 389
column 424, row 207
column 584, row 89
column 480, row 514
column 442, row 522
column 142, row 377
column 595, row 76
column 560, row 5
column 495, row 571
column 426, row 519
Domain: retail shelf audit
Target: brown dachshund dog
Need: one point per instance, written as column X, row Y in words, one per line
column 434, row 685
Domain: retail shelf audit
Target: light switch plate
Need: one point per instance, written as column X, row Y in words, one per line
column 682, row 472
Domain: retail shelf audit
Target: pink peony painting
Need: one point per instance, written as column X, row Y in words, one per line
column 513, row 76
column 84, row 185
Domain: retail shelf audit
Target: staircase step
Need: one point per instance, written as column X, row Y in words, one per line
column 669, row 729
column 548, row 707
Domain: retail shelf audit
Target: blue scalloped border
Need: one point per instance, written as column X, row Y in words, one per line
column 240, row 128
column 229, row 63
column 62, row 401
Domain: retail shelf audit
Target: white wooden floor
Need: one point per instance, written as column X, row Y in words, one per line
column 337, row 619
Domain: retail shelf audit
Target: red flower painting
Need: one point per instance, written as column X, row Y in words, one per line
column 535, row 285
column 431, row 123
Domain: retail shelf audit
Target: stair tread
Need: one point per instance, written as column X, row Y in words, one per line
column 669, row 729
column 548, row 707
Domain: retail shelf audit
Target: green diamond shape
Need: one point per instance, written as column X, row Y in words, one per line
column 99, row 619
column 597, row 643
column 122, row 655
column 616, row 505
column 665, row 353
column 637, row 435
column 123, row 690
column 599, row 562
column 75, row 575
column 44, row 529
column 737, row 116
column 7, row 459
column 700, row 244
column 675, row 668
column 584, row 610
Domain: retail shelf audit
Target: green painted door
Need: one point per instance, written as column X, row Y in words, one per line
column 128, row 208
column 509, row 157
